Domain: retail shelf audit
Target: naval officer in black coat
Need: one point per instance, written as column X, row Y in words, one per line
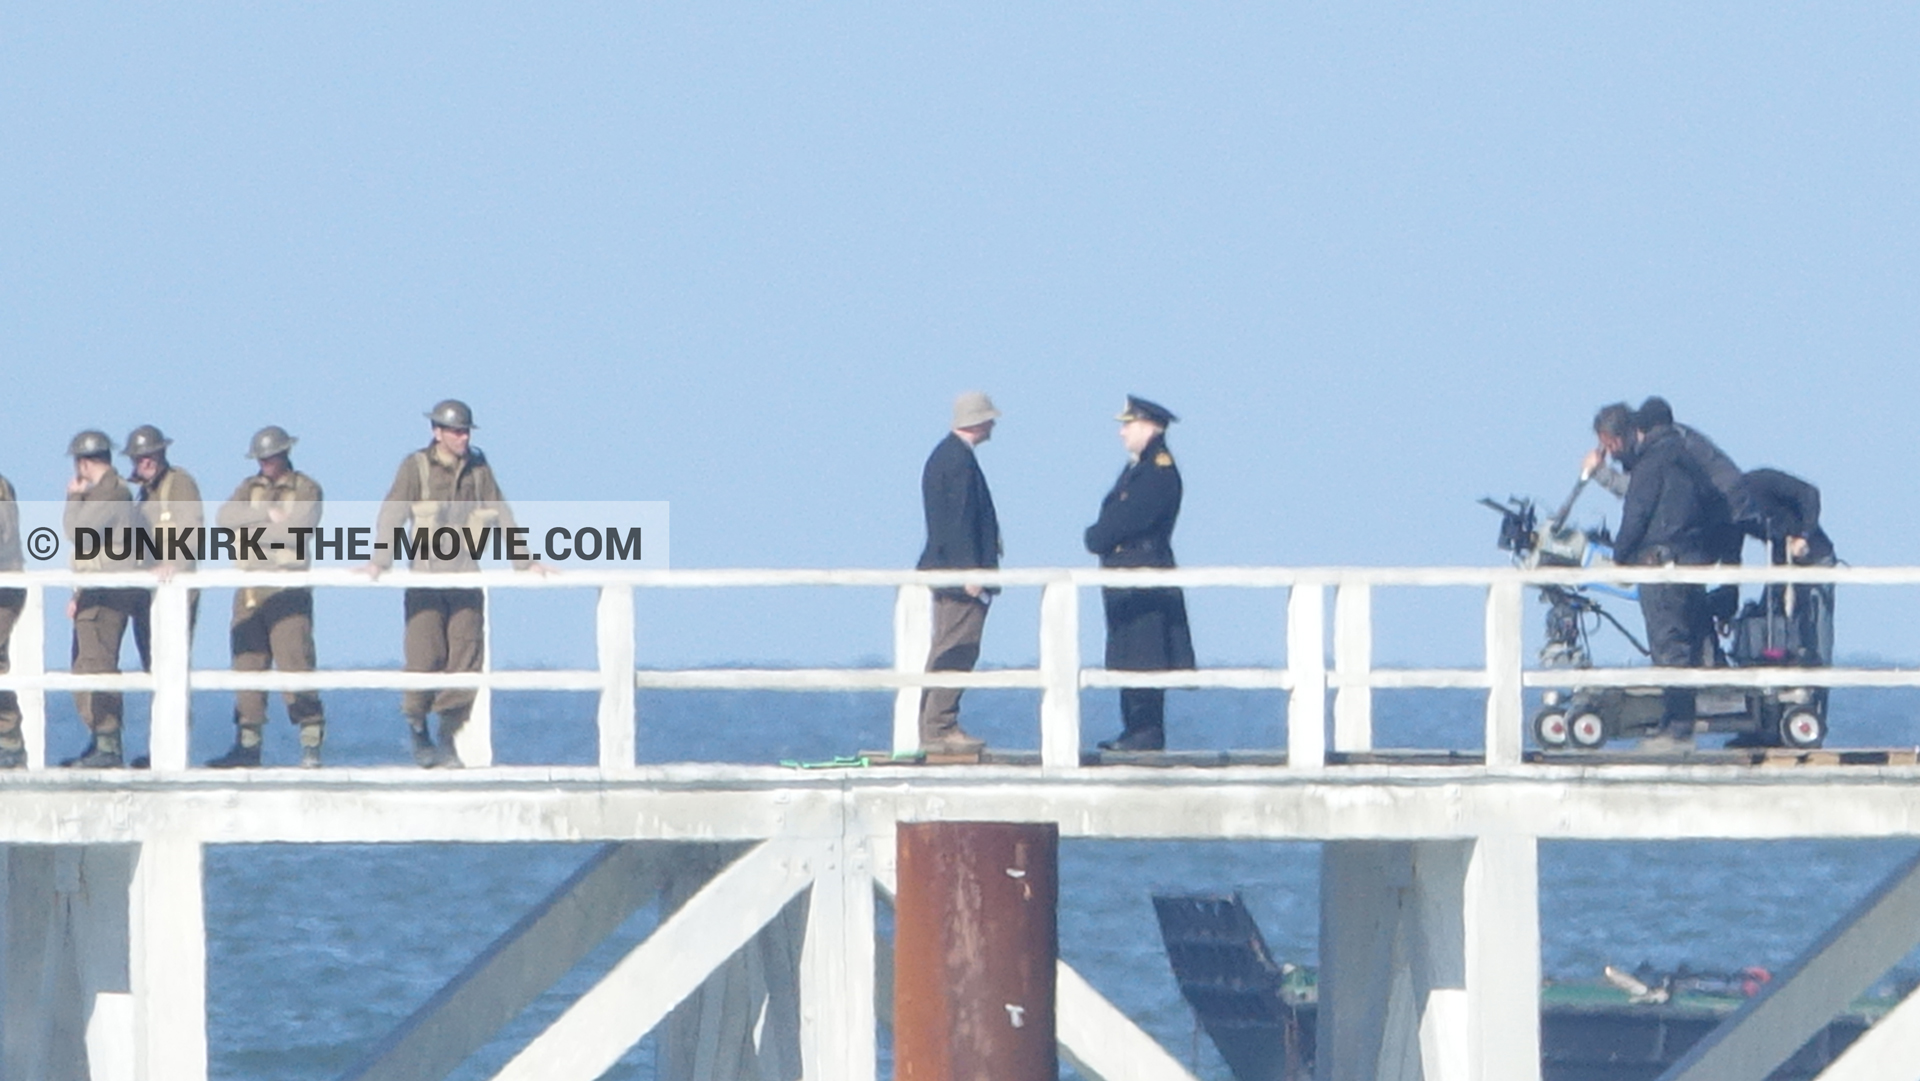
column 1146, row 628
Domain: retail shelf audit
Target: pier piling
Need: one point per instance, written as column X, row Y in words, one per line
column 975, row 945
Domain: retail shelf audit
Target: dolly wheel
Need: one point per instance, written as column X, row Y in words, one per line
column 1550, row 729
column 1587, row 731
column 1803, row 729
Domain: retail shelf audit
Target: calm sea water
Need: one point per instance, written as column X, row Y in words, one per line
column 316, row 951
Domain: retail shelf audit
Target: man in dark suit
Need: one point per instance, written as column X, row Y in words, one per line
column 1146, row 628
column 962, row 534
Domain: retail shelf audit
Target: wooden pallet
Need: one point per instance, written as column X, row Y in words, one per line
column 887, row 758
column 1784, row 757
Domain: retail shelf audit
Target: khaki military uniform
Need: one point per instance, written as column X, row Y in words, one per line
column 274, row 627
column 169, row 503
column 12, row 600
column 100, row 615
column 445, row 627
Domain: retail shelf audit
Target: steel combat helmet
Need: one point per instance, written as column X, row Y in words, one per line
column 145, row 441
column 452, row 413
column 91, row 443
column 269, row 441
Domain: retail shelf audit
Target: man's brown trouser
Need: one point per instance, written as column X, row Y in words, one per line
column 958, row 622
column 11, row 601
column 273, row 628
column 444, row 634
column 99, row 625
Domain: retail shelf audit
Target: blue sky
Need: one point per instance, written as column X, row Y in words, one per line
column 1382, row 259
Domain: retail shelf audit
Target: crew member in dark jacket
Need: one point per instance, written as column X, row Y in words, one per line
column 1673, row 514
column 962, row 534
column 1784, row 511
column 1146, row 628
column 1719, row 470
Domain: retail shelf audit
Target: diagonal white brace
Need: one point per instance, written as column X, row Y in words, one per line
column 589, row 1038
column 524, row 962
column 1102, row 1043
column 1846, row 960
column 1888, row 1049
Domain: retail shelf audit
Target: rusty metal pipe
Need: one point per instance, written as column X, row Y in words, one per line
column 976, row 936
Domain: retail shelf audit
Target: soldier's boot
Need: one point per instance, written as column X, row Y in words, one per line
column 423, row 753
column 103, row 752
column 245, row 752
column 444, row 755
column 312, row 735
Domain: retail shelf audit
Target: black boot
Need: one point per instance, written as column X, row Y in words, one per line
column 244, row 754
column 1143, row 717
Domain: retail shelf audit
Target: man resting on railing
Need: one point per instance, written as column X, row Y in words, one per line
column 447, row 484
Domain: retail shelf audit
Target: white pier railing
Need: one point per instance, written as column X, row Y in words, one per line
column 1059, row 676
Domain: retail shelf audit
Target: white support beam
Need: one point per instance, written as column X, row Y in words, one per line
column 525, row 961
column 912, row 640
column 1505, row 727
column 1060, row 675
column 474, row 741
column 66, row 977
column 1352, row 663
column 1430, row 961
column 1102, row 1043
column 27, row 655
column 167, row 961
column 586, row 1040
column 1890, row 1049
column 172, row 656
column 1364, row 888
column 1502, row 945
column 614, row 626
column 1307, row 666
column 1436, row 938
column 744, row 1022
column 1883, row 928
column 837, row 1023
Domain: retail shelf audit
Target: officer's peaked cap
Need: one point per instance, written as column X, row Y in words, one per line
column 452, row 413
column 1141, row 409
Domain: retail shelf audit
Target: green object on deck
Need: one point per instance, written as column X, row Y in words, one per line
column 845, row 761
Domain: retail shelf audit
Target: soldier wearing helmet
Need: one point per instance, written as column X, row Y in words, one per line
column 448, row 483
column 97, row 499
column 273, row 627
column 168, row 505
column 13, row 748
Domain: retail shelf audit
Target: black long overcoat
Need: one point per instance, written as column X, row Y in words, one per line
column 1146, row 628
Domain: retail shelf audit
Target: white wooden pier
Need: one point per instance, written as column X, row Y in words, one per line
column 768, row 965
